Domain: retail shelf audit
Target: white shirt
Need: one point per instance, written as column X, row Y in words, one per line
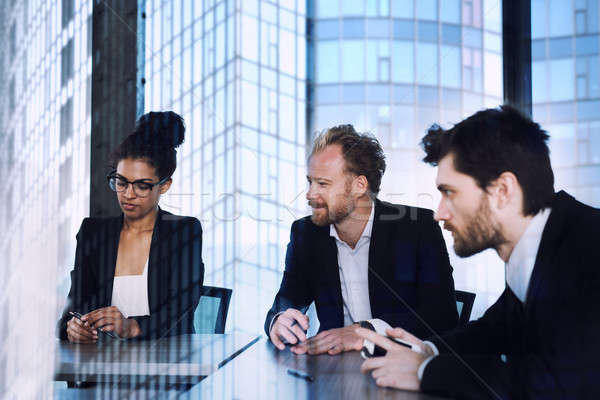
column 354, row 276
column 130, row 294
column 518, row 269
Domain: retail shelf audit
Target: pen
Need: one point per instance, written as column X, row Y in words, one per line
column 414, row 347
column 301, row 375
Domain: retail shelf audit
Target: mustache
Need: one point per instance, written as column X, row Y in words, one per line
column 448, row 227
column 316, row 204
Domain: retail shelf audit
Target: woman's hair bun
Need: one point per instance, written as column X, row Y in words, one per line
column 165, row 126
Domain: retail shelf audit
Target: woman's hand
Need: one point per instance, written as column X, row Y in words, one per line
column 79, row 332
column 110, row 319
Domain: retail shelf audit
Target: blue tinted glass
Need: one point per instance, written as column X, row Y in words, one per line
column 592, row 16
column 378, row 94
column 426, row 9
column 561, row 18
column 378, row 28
column 450, row 71
column 402, row 62
column 353, row 7
column 403, row 29
column 404, row 94
column 427, row 64
column 353, row 68
column 450, row 34
column 594, row 79
column 585, row 45
column 428, row 96
column 353, row 93
column 327, row 94
column 472, row 37
column 450, row 11
column 451, row 98
column 538, row 19
column 353, row 28
column 560, row 48
column 428, row 31
column 539, row 81
column 327, row 64
column 402, row 8
column 326, row 9
column 326, row 29
column 538, row 49
column 588, row 110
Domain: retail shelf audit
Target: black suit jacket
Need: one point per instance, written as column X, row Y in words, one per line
column 410, row 277
column 175, row 273
column 552, row 342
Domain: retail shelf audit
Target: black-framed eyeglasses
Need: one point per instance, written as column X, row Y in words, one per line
column 141, row 188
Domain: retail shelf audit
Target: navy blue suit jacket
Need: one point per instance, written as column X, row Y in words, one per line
column 410, row 277
column 552, row 342
column 175, row 273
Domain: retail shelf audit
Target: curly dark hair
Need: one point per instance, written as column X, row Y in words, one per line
column 362, row 152
column 494, row 141
column 155, row 138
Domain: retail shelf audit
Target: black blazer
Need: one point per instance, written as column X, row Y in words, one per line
column 175, row 273
column 410, row 277
column 552, row 343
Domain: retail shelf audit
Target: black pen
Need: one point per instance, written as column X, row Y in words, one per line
column 301, row 375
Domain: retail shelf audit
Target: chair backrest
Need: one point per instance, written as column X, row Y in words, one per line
column 211, row 314
column 464, row 305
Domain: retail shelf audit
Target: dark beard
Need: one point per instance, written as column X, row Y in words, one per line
column 335, row 215
column 481, row 233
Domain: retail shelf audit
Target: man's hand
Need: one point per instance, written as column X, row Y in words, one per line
column 291, row 326
column 80, row 332
column 398, row 368
column 110, row 319
column 332, row 341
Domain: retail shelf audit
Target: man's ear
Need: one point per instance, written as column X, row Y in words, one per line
column 360, row 185
column 164, row 188
column 505, row 190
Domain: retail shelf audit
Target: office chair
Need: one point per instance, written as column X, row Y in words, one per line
column 464, row 305
column 211, row 314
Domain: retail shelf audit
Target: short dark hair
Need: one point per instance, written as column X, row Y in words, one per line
column 154, row 140
column 494, row 141
column 362, row 152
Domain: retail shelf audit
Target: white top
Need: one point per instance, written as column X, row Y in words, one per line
column 130, row 294
column 522, row 259
column 354, row 276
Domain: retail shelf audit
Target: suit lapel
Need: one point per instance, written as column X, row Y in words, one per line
column 380, row 238
column 154, row 260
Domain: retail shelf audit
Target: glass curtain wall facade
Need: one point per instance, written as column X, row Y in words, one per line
column 395, row 67
column 235, row 70
column 44, row 139
column 566, row 90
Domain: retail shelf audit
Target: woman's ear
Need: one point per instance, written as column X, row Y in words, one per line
column 164, row 188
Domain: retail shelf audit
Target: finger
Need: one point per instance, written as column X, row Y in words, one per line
column 104, row 320
column 378, row 373
column 376, row 338
column 299, row 333
column 79, row 337
column 337, row 349
column 301, row 348
column 372, row 363
column 81, row 330
column 404, row 335
column 275, row 340
column 383, row 381
column 83, row 325
column 301, row 318
column 323, row 345
column 287, row 334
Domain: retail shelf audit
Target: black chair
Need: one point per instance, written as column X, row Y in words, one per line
column 464, row 305
column 211, row 314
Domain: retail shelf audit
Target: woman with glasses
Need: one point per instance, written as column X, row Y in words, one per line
column 140, row 274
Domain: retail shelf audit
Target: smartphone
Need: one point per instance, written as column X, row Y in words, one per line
column 370, row 349
column 78, row 316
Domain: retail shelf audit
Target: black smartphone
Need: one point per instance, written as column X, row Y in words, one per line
column 78, row 316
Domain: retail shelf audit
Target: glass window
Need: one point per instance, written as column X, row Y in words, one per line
column 427, row 9
column 428, row 31
column 378, row 28
column 353, row 93
column 378, row 94
column 451, row 65
column 327, row 29
column 539, row 82
column 450, row 11
column 327, row 66
column 560, row 48
column 404, row 29
column 327, row 94
column 472, row 37
column 427, row 65
column 585, row 45
column 249, row 104
column 402, row 62
column 451, row 34
column 538, row 19
column 402, row 8
column 492, row 15
column 561, row 80
column 538, row 49
column 353, row 28
column 353, row 53
column 353, row 7
column 249, row 38
column 428, row 96
column 561, row 18
column 492, row 74
column 287, row 51
column 328, row 9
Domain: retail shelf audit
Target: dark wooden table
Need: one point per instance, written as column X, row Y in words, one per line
column 182, row 359
column 261, row 372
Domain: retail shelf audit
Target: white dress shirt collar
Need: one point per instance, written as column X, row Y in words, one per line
column 522, row 259
column 366, row 233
